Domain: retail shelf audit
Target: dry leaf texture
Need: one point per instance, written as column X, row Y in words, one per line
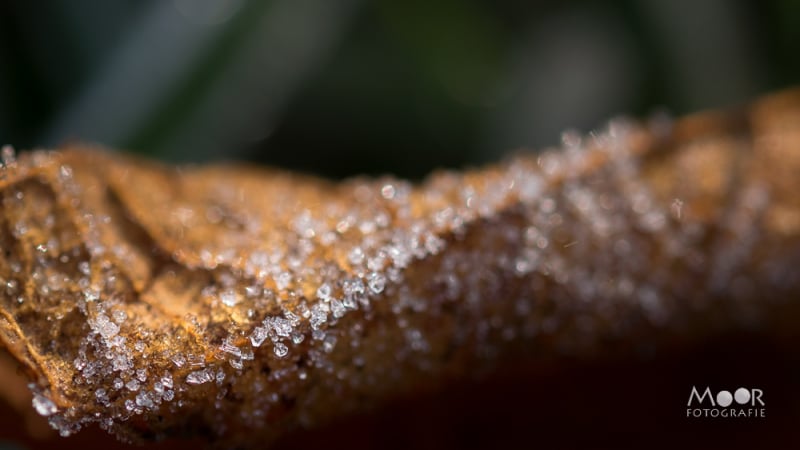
column 237, row 303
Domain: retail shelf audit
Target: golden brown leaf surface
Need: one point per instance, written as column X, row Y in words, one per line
column 238, row 304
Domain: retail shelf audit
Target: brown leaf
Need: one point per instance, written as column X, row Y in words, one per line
column 239, row 304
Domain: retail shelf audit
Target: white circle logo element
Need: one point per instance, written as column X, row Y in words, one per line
column 724, row 398
column 742, row 396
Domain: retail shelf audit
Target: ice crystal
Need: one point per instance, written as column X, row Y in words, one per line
column 376, row 282
column 280, row 349
column 43, row 405
column 258, row 336
column 200, row 376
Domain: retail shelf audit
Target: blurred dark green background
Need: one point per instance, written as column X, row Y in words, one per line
column 346, row 87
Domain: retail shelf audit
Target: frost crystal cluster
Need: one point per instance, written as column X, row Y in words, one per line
column 152, row 297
